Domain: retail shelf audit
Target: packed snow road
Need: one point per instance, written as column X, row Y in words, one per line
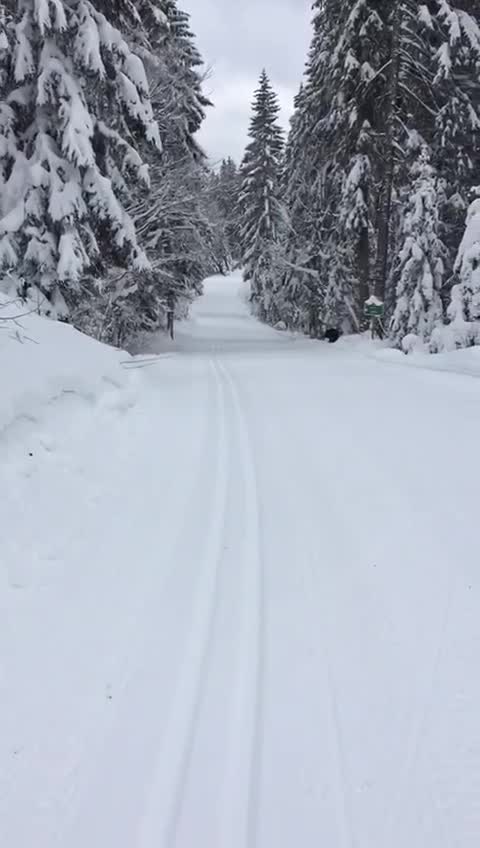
column 241, row 608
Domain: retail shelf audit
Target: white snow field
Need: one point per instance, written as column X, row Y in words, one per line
column 240, row 592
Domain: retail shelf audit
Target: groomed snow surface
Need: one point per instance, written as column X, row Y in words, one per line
column 240, row 595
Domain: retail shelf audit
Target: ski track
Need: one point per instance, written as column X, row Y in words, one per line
column 173, row 815
column 240, row 810
column 160, row 819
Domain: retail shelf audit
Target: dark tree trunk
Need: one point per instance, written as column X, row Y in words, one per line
column 364, row 267
column 385, row 208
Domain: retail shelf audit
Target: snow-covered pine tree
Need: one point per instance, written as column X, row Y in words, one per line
column 307, row 186
column 435, row 97
column 8, row 139
column 222, row 203
column 382, row 95
column 420, row 268
column 330, row 179
column 220, row 255
column 464, row 309
column 228, row 187
column 5, row 50
column 382, row 80
column 177, row 83
column 173, row 221
column 352, row 126
column 74, row 104
column 189, row 61
column 260, row 207
column 298, row 294
column 123, row 14
column 408, row 110
column 455, row 27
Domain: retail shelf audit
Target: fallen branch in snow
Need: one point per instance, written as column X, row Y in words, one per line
column 22, row 338
column 11, row 302
column 16, row 317
column 131, row 364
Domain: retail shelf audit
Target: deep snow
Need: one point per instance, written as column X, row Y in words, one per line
column 239, row 597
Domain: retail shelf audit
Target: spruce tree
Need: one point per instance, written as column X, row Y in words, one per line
column 420, row 270
column 433, row 90
column 173, row 220
column 464, row 309
column 331, row 181
column 299, row 294
column 310, row 183
column 260, row 207
column 381, row 80
column 352, row 127
column 228, row 187
column 179, row 77
column 223, row 189
column 75, row 103
column 455, row 67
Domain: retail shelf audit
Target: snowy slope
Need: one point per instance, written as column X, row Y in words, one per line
column 48, row 361
column 243, row 609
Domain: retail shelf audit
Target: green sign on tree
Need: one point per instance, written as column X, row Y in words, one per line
column 374, row 308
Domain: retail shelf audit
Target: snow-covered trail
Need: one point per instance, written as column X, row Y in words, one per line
column 256, row 622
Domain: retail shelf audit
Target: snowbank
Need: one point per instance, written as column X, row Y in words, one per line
column 45, row 362
column 464, row 361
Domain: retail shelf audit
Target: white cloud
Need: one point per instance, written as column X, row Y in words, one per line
column 237, row 40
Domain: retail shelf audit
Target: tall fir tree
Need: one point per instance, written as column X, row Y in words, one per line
column 299, row 295
column 309, row 186
column 456, row 78
column 421, row 262
column 260, row 207
column 382, row 81
column 173, row 220
column 329, row 195
column 75, row 103
column 228, row 187
column 464, row 309
column 352, row 126
column 223, row 189
column 443, row 97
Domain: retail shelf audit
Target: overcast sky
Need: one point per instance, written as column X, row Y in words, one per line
column 237, row 38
